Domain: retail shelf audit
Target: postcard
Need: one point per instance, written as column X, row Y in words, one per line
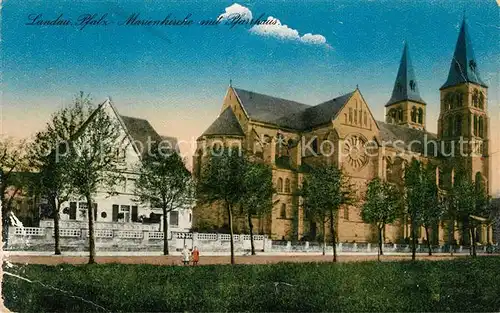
column 267, row 156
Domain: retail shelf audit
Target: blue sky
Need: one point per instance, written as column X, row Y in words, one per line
column 177, row 76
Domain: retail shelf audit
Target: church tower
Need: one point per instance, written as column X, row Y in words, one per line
column 406, row 107
column 463, row 113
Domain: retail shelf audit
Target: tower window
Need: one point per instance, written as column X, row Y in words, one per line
column 413, row 85
column 475, row 129
column 350, row 115
column 458, row 125
column 287, row 185
column 283, row 211
column 360, row 117
column 355, row 116
column 475, row 98
column 472, row 65
column 399, row 87
column 400, row 114
column 414, row 114
column 279, row 188
column 481, row 127
column 420, row 116
column 481, row 100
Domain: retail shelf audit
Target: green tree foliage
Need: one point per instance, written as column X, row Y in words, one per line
column 12, row 160
column 47, row 155
column 258, row 193
column 432, row 205
column 413, row 199
column 382, row 206
column 223, row 180
column 472, row 203
column 96, row 166
column 164, row 181
column 325, row 189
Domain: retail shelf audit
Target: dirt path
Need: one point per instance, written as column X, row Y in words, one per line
column 176, row 260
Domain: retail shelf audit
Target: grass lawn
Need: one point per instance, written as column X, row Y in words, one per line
column 458, row 285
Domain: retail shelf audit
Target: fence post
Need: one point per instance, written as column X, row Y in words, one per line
column 306, row 245
column 340, row 246
column 289, row 245
column 355, row 247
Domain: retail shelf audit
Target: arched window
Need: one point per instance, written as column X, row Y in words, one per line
column 283, row 211
column 355, row 116
column 279, row 187
column 460, row 98
column 345, row 115
column 414, row 114
column 420, row 116
column 449, row 126
column 391, row 116
column 400, row 115
column 458, row 125
column 447, row 101
column 480, row 127
column 287, row 185
column 481, row 100
column 475, row 98
column 360, row 117
column 350, row 115
column 476, row 125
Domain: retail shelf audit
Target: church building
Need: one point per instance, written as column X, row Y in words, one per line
column 290, row 136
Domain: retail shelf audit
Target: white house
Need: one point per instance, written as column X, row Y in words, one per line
column 120, row 210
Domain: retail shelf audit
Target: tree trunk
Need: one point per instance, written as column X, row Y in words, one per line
column 90, row 210
column 56, row 207
column 473, row 239
column 332, row 231
column 230, row 218
column 451, row 237
column 324, row 237
column 428, row 240
column 165, row 231
column 250, row 226
column 380, row 251
column 413, row 240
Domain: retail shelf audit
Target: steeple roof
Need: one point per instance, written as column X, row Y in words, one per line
column 405, row 86
column 225, row 124
column 463, row 68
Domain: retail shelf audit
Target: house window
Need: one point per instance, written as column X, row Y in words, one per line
column 131, row 185
column 287, row 185
column 283, row 211
column 124, row 215
column 82, row 210
column 174, row 218
column 279, row 187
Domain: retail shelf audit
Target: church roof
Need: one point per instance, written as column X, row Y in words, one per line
column 267, row 109
column 405, row 86
column 412, row 139
column 463, row 68
column 287, row 113
column 225, row 124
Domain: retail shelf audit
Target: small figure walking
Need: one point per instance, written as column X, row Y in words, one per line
column 185, row 255
column 195, row 255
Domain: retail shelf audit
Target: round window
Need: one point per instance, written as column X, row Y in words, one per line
column 103, row 214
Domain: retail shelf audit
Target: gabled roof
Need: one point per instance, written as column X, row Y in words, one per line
column 141, row 132
column 225, row 124
column 314, row 116
column 390, row 133
column 266, row 109
column 463, row 68
column 405, row 86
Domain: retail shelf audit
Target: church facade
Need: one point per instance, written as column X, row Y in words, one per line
column 290, row 136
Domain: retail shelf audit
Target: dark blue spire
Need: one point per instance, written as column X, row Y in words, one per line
column 405, row 87
column 463, row 68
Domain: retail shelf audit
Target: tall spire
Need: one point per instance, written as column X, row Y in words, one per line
column 405, row 86
column 463, row 68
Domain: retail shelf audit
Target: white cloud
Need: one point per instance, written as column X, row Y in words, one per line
column 236, row 8
column 277, row 30
column 273, row 27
